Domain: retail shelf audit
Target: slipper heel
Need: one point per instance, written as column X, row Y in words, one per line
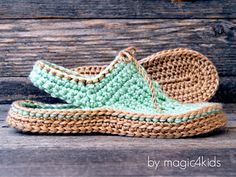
column 184, row 74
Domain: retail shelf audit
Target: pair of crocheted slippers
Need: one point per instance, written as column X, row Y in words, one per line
column 159, row 96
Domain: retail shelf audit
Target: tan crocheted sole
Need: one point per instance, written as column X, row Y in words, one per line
column 183, row 74
column 118, row 126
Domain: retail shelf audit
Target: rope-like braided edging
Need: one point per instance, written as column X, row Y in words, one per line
column 127, row 55
column 118, row 126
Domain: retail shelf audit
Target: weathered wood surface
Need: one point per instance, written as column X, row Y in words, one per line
column 104, row 155
column 19, row 9
column 81, row 32
column 84, row 42
column 16, row 88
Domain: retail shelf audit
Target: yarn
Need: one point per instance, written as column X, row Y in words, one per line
column 120, row 96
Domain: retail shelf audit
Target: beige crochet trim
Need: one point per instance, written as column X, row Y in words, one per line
column 118, row 126
column 183, row 74
column 113, row 112
column 125, row 55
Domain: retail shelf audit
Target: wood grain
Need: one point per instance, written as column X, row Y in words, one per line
column 16, row 88
column 20, row 9
column 77, row 162
column 226, row 92
column 98, row 155
column 122, row 162
column 80, row 32
column 84, row 42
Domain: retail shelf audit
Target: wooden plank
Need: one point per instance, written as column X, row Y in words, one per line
column 17, row 88
column 226, row 92
column 120, row 162
column 3, row 112
column 84, row 42
column 116, row 9
column 230, row 109
column 105, row 155
column 21, row 88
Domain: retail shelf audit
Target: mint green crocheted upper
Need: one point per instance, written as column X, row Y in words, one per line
column 123, row 88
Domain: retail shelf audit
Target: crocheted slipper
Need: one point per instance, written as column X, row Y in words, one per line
column 119, row 100
column 184, row 74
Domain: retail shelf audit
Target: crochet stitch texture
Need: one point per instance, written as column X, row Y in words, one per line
column 122, row 92
column 183, row 74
